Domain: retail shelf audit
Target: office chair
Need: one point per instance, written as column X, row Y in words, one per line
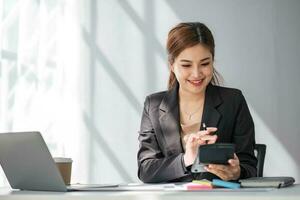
column 260, row 150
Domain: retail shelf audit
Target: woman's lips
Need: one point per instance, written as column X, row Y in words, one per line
column 196, row 83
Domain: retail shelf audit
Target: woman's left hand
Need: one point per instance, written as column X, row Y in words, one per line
column 226, row 172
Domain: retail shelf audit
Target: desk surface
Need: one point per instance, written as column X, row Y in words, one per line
column 289, row 193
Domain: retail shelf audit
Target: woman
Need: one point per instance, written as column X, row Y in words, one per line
column 172, row 122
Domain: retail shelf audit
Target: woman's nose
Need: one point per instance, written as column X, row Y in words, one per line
column 196, row 71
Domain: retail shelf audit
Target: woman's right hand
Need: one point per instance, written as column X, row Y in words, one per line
column 194, row 140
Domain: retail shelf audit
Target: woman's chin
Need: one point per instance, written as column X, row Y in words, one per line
column 196, row 91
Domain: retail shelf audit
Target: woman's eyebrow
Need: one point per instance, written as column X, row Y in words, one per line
column 204, row 59
column 184, row 60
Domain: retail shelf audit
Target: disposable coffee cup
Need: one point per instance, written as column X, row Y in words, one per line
column 65, row 167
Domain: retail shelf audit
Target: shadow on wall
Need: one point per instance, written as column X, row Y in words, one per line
column 98, row 56
column 151, row 44
column 96, row 135
column 152, row 47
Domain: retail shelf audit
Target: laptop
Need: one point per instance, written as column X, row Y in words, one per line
column 28, row 164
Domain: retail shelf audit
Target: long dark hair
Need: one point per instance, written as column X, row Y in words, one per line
column 186, row 35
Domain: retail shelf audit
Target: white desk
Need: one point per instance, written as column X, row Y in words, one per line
column 290, row 193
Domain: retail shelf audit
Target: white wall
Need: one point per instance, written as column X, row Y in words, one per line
column 257, row 51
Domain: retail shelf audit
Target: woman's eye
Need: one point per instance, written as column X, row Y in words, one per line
column 205, row 64
column 185, row 65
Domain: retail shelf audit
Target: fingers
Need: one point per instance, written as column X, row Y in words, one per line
column 211, row 129
column 207, row 139
column 218, row 167
column 208, row 131
column 193, row 137
column 193, row 140
column 207, row 136
column 234, row 162
column 226, row 172
column 200, row 136
column 211, row 139
column 220, row 172
column 223, row 171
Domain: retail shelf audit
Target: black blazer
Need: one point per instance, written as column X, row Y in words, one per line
column 160, row 155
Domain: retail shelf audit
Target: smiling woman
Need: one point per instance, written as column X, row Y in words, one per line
column 186, row 35
column 193, row 69
column 172, row 126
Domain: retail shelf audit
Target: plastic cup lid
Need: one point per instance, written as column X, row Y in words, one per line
column 62, row 160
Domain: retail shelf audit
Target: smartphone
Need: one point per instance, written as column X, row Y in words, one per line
column 218, row 153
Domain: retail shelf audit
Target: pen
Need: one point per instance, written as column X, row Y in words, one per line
column 204, row 128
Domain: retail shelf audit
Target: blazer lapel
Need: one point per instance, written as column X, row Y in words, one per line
column 169, row 121
column 211, row 115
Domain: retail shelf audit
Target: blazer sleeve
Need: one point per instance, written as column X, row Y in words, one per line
column 244, row 138
column 153, row 165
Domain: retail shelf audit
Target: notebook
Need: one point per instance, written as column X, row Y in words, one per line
column 276, row 182
column 28, row 164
